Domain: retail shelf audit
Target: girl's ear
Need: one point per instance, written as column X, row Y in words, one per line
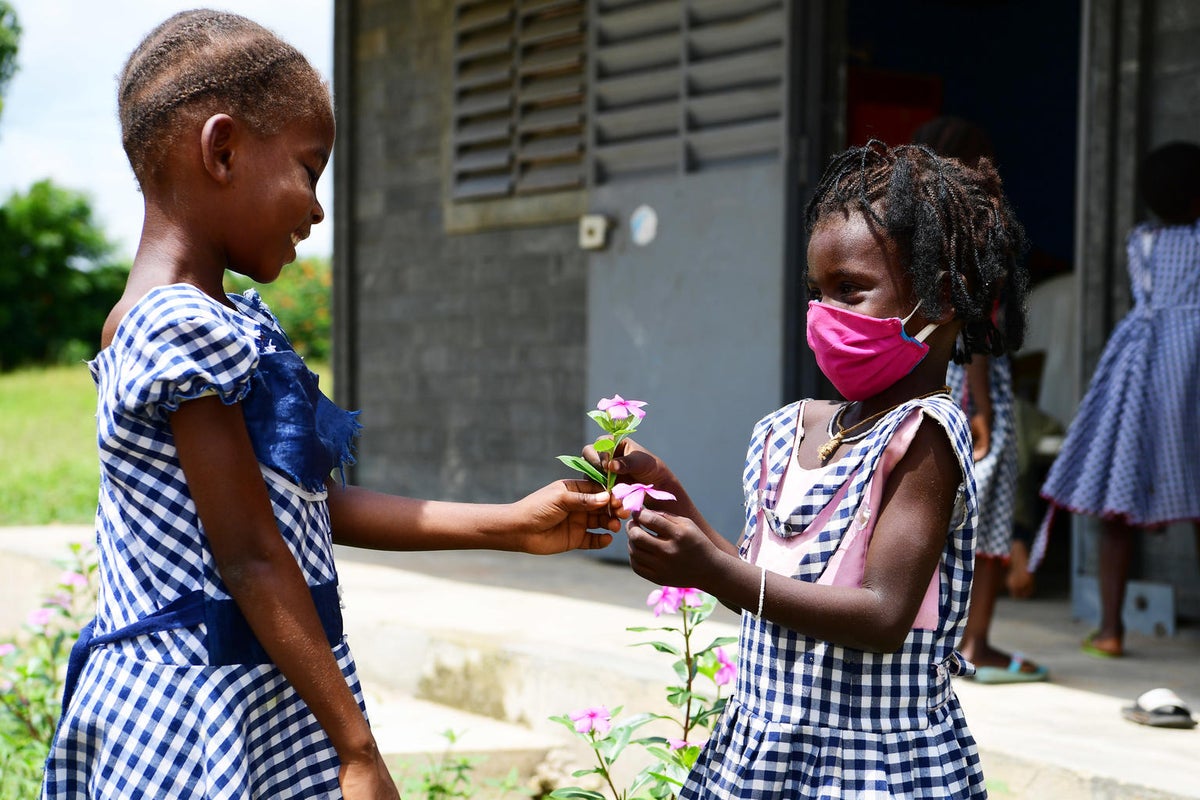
column 217, row 139
column 948, row 312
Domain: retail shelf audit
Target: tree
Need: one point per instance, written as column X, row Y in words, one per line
column 10, row 35
column 57, row 277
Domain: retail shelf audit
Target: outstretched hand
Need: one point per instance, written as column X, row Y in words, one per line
column 562, row 515
column 671, row 550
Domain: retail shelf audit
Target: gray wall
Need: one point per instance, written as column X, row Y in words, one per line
column 464, row 352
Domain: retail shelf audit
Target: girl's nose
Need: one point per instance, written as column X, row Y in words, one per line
column 318, row 213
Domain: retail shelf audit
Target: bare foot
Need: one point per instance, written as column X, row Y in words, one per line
column 991, row 657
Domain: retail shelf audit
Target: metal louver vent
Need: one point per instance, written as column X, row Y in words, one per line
column 518, row 112
column 684, row 85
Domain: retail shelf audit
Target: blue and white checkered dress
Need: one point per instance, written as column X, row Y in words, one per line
column 150, row 717
column 812, row 719
column 1133, row 449
column 995, row 473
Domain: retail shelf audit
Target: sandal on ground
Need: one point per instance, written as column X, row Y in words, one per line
column 1017, row 671
column 1090, row 647
column 1159, row 708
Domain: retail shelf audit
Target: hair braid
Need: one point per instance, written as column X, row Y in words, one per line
column 947, row 218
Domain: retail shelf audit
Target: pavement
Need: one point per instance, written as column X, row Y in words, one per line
column 491, row 645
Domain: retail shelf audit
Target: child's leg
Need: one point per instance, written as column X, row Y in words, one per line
column 985, row 586
column 1116, row 554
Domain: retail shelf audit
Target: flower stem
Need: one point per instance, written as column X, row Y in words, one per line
column 604, row 770
column 691, row 673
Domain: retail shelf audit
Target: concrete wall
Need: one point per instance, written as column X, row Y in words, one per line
column 465, row 352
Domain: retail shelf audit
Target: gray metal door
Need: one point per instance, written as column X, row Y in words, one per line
column 693, row 161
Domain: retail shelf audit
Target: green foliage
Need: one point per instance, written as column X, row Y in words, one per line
column 301, row 299
column 56, row 277
column 670, row 760
column 10, row 37
column 451, row 776
column 32, row 669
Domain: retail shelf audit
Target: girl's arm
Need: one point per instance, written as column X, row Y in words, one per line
column 260, row 572
column 553, row 519
column 905, row 549
column 979, row 384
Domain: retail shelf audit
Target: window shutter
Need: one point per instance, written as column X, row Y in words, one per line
column 518, row 110
column 684, row 85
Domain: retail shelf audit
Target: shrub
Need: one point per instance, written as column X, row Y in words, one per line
column 301, row 299
column 32, row 669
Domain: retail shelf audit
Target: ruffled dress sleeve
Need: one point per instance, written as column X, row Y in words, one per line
column 177, row 344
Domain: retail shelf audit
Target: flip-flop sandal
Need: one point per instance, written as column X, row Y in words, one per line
column 1015, row 672
column 1159, row 708
column 1089, row 647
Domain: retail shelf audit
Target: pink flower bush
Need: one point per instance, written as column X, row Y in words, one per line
column 618, row 407
column 670, row 598
column 633, row 495
column 595, row 719
column 727, row 671
column 7, row 649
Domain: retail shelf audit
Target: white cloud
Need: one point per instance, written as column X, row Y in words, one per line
column 60, row 110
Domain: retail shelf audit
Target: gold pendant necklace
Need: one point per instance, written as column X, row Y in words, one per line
column 844, row 435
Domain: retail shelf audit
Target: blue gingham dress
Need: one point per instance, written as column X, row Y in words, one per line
column 811, row 719
column 995, row 473
column 1133, row 449
column 149, row 717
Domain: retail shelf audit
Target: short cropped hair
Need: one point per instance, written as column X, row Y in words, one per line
column 203, row 62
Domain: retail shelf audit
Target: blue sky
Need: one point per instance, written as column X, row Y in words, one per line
column 60, row 110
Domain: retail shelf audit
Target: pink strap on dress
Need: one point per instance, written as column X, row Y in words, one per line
column 847, row 565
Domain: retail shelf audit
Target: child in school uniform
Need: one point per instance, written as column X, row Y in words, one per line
column 854, row 570
column 216, row 665
column 1131, row 456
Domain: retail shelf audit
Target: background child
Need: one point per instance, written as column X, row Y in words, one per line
column 855, row 566
column 1130, row 455
column 217, row 666
column 984, row 386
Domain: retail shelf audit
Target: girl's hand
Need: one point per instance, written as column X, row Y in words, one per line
column 559, row 517
column 633, row 463
column 670, row 550
column 367, row 779
column 981, row 436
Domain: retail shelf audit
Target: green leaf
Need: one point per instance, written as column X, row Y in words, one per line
column 580, row 464
column 661, row 647
column 575, row 793
column 605, row 445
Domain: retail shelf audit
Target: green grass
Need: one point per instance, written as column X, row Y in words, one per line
column 48, row 463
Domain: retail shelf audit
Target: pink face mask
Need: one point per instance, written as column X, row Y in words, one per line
column 863, row 355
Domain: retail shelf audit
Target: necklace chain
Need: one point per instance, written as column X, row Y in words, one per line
column 847, row 435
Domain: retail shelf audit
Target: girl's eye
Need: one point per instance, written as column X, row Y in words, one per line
column 312, row 175
column 814, row 293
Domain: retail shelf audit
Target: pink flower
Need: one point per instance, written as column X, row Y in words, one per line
column 677, row 744
column 74, row 579
column 7, row 649
column 633, row 495
column 670, row 598
column 40, row 617
column 618, row 407
column 727, row 671
column 596, row 719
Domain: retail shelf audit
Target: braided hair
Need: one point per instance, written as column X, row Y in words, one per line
column 944, row 217
column 202, row 62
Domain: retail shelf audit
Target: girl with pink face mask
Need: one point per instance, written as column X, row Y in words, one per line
column 854, row 568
